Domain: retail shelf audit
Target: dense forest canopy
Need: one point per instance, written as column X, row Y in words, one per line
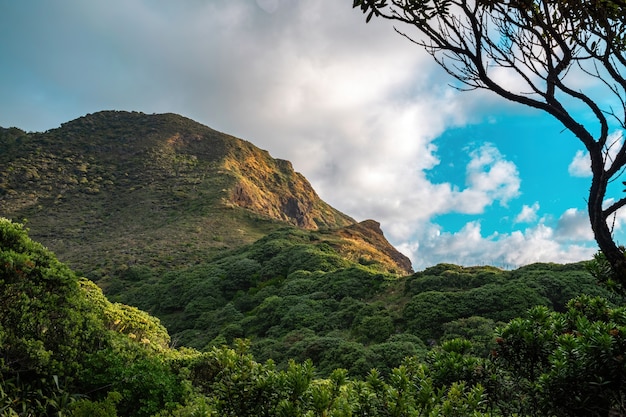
column 65, row 349
column 295, row 297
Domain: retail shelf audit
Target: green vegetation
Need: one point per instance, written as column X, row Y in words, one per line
column 215, row 296
column 61, row 339
column 155, row 190
column 67, row 350
column 290, row 292
column 294, row 296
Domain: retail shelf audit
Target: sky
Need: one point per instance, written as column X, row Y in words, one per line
column 367, row 116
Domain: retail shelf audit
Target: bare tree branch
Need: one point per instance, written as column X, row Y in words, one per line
column 547, row 45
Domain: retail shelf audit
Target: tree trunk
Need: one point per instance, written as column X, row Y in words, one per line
column 602, row 233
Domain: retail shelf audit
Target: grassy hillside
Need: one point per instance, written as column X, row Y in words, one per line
column 114, row 189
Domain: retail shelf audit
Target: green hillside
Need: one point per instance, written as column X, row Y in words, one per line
column 156, row 190
column 219, row 284
column 295, row 297
column 66, row 350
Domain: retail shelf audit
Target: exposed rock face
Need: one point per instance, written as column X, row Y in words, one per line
column 372, row 225
column 272, row 188
column 368, row 237
column 298, row 211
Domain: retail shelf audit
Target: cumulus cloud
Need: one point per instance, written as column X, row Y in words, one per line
column 469, row 246
column 580, row 165
column 491, row 177
column 574, row 225
column 614, row 144
column 528, row 213
column 617, row 220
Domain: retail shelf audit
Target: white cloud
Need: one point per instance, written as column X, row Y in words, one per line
column 468, row 246
column 355, row 107
column 580, row 165
column 528, row 214
column 617, row 220
column 489, row 173
column 614, row 144
column 573, row 225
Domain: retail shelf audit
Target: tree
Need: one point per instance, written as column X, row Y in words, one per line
column 61, row 339
column 562, row 364
column 546, row 46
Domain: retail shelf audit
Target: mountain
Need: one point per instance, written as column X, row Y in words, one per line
column 217, row 242
column 116, row 189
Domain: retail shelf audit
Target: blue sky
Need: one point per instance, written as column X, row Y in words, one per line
column 365, row 115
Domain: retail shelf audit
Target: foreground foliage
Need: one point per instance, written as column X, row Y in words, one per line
column 61, row 339
column 65, row 350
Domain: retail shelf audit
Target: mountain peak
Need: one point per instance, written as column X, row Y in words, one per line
column 158, row 188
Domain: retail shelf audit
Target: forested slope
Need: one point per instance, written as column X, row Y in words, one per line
column 295, row 296
column 66, row 350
